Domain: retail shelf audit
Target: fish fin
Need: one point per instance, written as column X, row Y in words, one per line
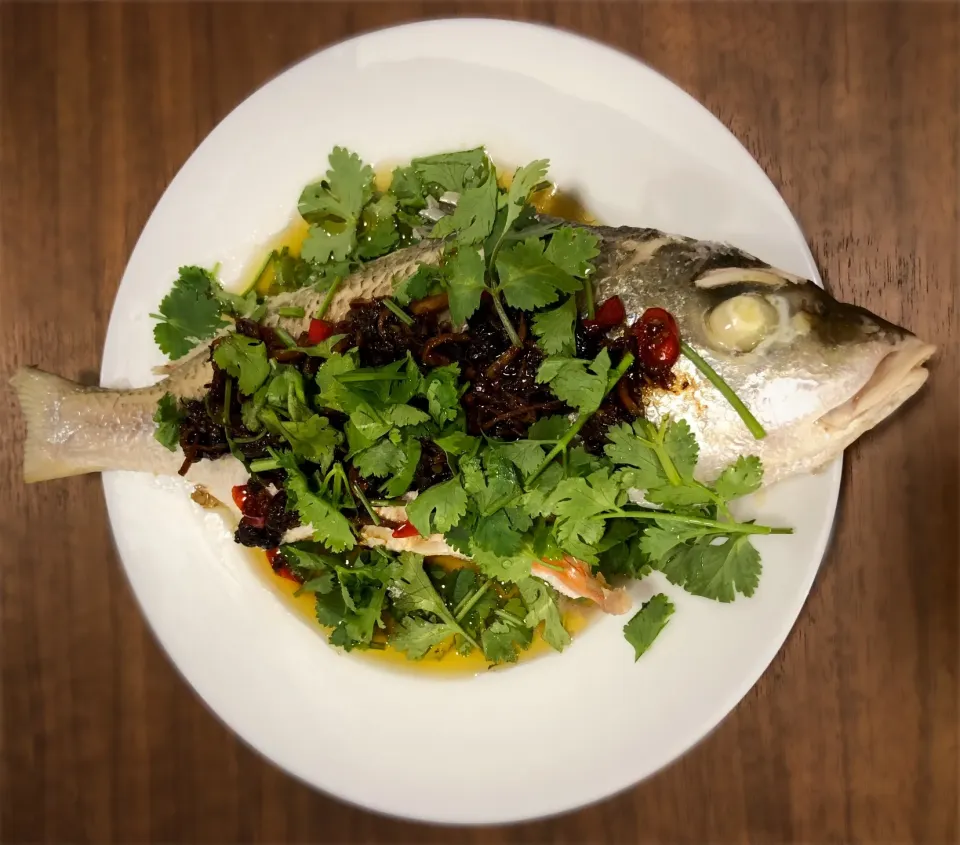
column 41, row 395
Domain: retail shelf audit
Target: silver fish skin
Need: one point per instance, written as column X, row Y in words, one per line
column 822, row 373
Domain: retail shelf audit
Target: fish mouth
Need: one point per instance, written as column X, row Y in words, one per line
column 899, row 374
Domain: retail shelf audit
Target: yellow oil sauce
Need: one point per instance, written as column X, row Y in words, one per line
column 575, row 617
column 551, row 201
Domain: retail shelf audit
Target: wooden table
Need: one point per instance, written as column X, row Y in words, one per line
column 851, row 735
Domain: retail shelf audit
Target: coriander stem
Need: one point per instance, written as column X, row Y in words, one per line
column 665, row 461
column 254, row 439
column 366, row 504
column 751, row 422
column 264, row 465
column 588, row 299
column 366, row 375
column 507, row 325
column 507, row 616
column 266, row 263
column 334, row 287
column 227, row 397
column 284, row 336
column 700, row 522
column 467, row 604
column 397, row 311
column 291, row 311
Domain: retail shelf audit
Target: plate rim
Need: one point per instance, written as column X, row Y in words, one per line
column 833, row 471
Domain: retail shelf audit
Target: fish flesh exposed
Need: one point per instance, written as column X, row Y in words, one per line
column 815, row 372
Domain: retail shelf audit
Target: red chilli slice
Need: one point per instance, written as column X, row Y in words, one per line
column 611, row 313
column 319, row 331
column 406, row 530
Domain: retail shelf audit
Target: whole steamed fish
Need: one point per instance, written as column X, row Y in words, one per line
column 815, row 372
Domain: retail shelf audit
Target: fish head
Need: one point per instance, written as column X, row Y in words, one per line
column 817, row 373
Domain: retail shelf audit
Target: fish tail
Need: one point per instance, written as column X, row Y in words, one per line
column 68, row 426
column 46, row 451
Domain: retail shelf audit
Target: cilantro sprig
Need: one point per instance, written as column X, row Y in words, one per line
column 492, row 246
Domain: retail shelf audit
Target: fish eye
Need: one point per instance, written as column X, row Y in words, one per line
column 741, row 323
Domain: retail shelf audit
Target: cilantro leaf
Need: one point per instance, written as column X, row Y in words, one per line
column 407, row 187
column 503, row 568
column 526, row 456
column 416, row 636
column 426, row 280
column 292, row 272
column 706, row 564
column 378, row 228
column 535, row 500
column 400, row 483
column 581, row 462
column 345, row 190
column 580, row 506
column 575, row 382
column 490, row 481
column 285, row 392
column 620, row 552
column 333, row 206
column 330, row 527
column 541, row 601
column 451, row 171
column 554, row 329
column 457, row 443
column 681, row 446
column 308, row 563
column 472, row 219
column 189, row 314
column 321, row 245
column 659, row 541
column 579, row 536
column 405, row 415
column 501, row 641
column 525, row 180
column 251, row 409
column 234, row 303
column 313, row 439
column 464, row 283
column 629, row 445
column 245, row 359
column 441, row 387
column 647, row 623
column 382, row 459
column 528, row 280
column 495, row 534
column 726, row 569
column 413, row 591
column 438, row 508
column 549, row 428
column 168, row 417
column 742, row 477
column 572, row 249
column 352, row 614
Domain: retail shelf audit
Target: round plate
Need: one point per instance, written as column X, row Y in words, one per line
column 556, row 732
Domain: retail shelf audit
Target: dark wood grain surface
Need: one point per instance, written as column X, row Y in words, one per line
column 851, row 735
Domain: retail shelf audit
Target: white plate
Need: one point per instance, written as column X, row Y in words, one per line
column 548, row 735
